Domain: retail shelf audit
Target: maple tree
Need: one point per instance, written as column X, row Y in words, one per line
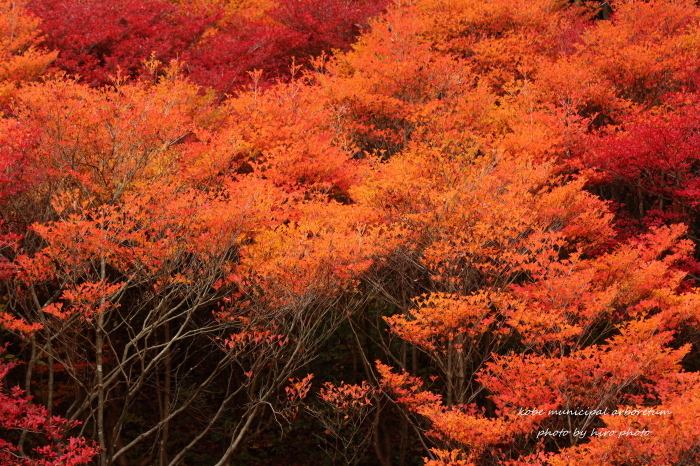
column 139, row 260
column 510, row 317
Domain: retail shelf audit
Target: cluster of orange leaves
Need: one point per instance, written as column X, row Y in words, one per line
column 346, row 396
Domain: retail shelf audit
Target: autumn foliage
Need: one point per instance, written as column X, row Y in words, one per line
column 221, row 43
column 427, row 232
column 17, row 413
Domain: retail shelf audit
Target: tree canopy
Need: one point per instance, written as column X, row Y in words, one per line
column 440, row 232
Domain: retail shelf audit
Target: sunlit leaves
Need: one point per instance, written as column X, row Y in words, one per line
column 443, row 174
column 21, row 58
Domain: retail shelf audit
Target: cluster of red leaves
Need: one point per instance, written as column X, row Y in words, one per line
column 97, row 40
column 18, row 414
column 654, row 158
